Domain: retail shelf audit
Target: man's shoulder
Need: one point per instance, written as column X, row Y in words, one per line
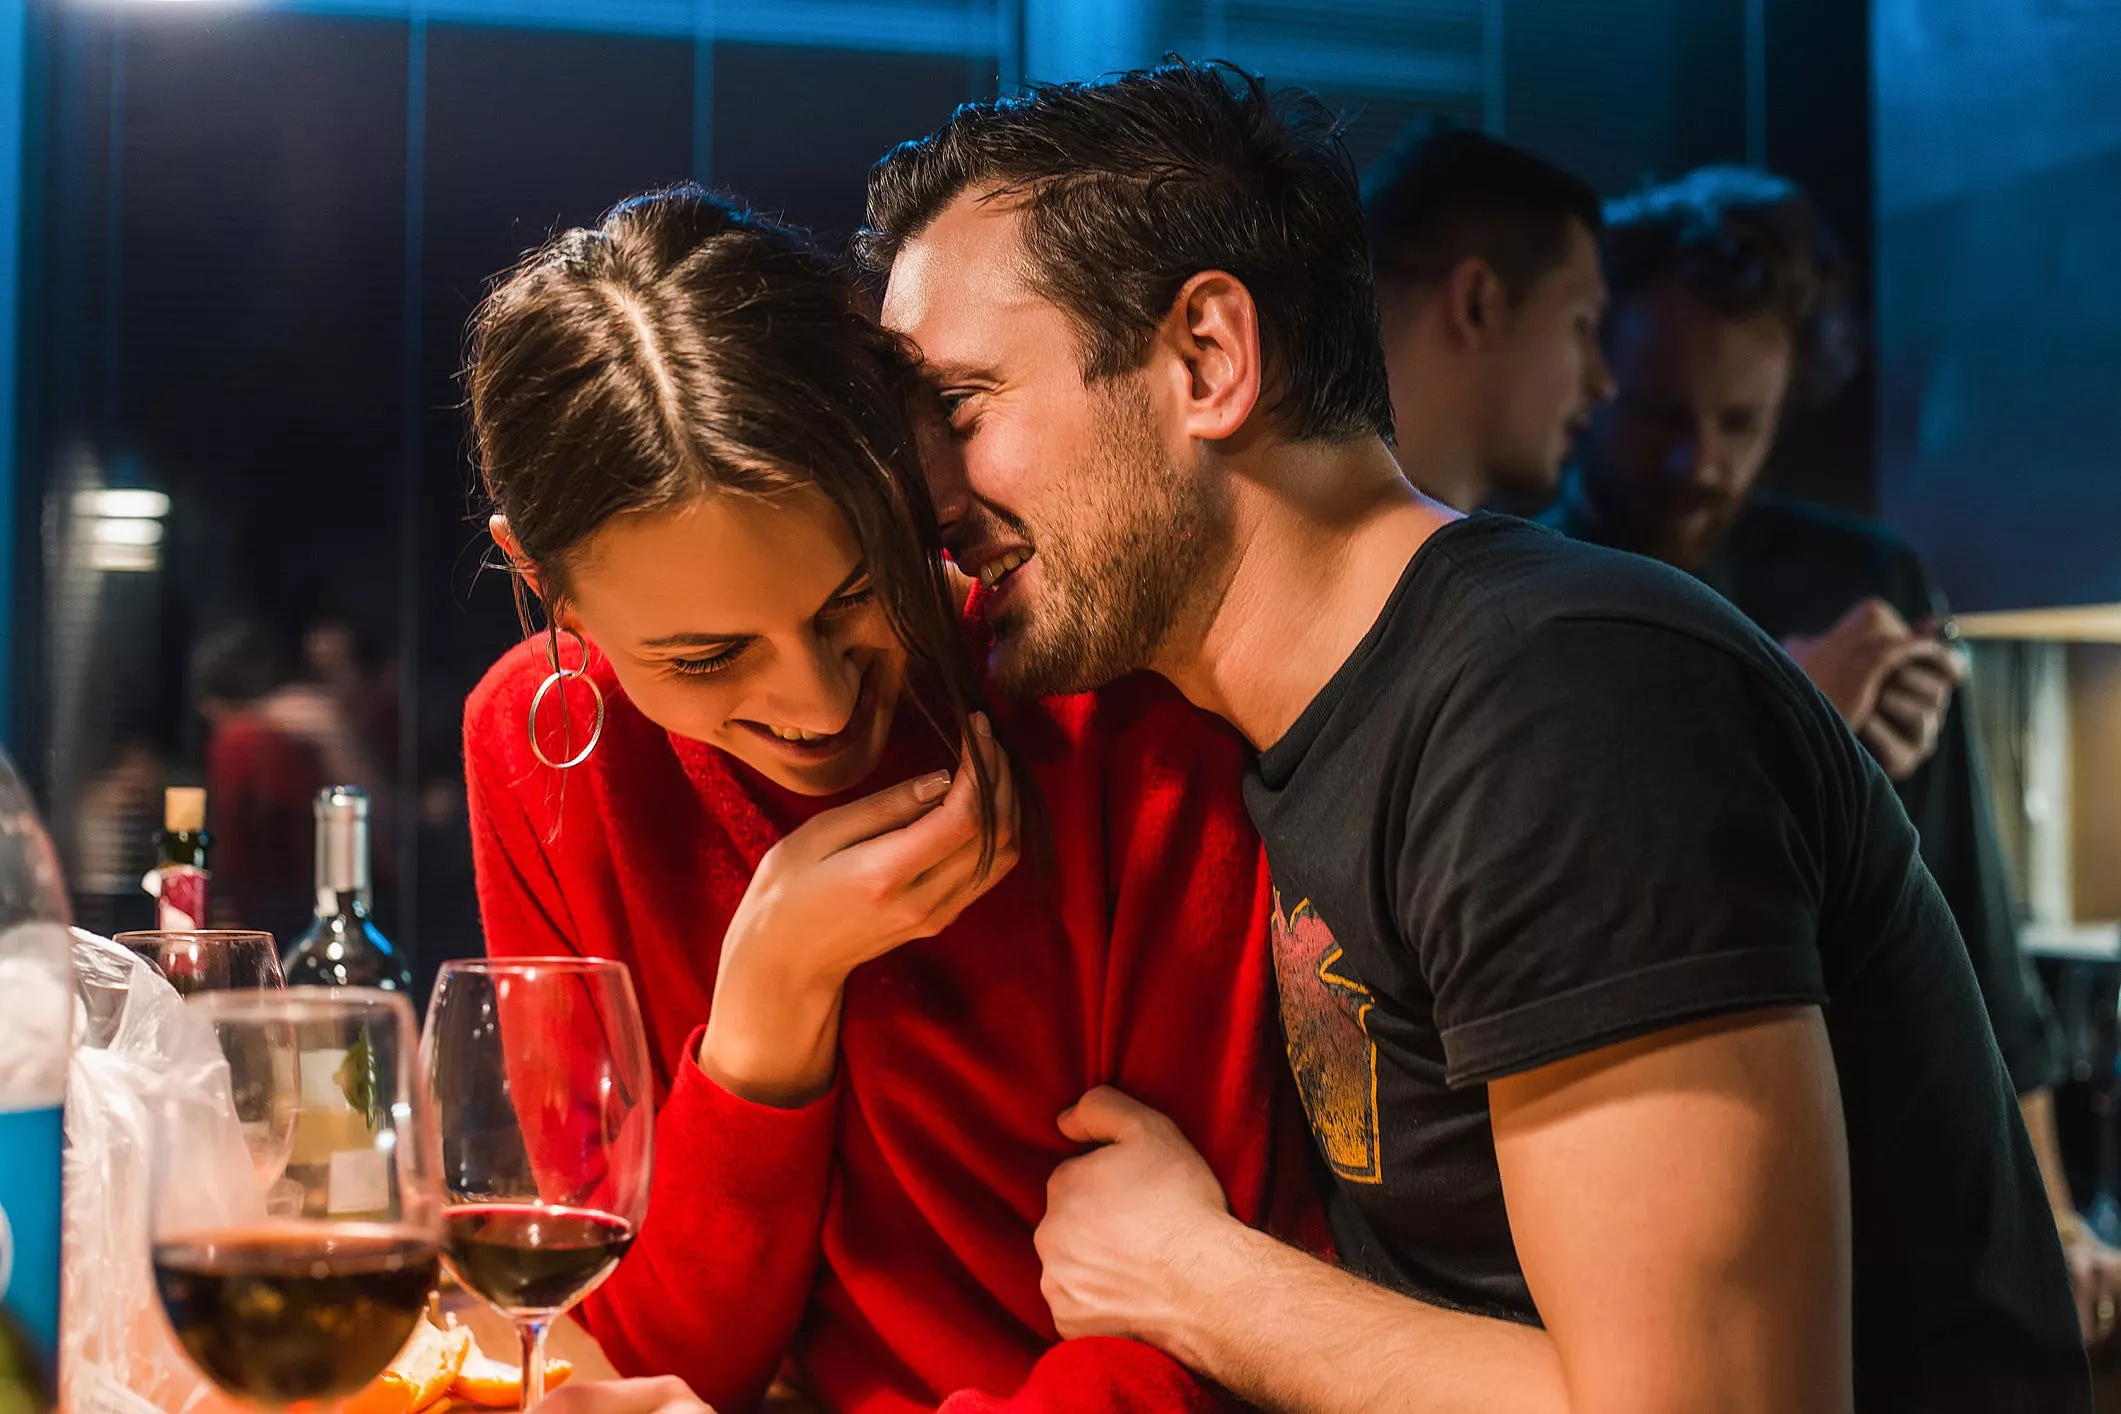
column 1508, row 581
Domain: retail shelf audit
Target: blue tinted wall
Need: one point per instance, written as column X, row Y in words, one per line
column 1999, row 293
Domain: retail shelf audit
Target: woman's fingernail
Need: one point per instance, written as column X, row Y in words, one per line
column 981, row 725
column 929, row 788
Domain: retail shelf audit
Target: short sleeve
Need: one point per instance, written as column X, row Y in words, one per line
column 1616, row 828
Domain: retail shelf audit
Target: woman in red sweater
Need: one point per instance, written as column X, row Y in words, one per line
column 790, row 817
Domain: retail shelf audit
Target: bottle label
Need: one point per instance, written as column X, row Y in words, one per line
column 359, row 1182
column 181, row 895
column 29, row 1225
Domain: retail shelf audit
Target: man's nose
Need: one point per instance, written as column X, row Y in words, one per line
column 1598, row 383
column 1683, row 457
column 948, row 485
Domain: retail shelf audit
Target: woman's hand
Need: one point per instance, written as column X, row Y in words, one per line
column 847, row 887
column 666, row 1394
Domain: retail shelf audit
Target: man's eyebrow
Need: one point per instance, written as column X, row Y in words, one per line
column 718, row 640
column 943, row 374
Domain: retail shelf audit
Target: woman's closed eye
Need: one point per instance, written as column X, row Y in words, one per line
column 707, row 663
column 840, row 605
column 852, row 600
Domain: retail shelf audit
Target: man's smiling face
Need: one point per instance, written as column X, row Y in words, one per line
column 1084, row 514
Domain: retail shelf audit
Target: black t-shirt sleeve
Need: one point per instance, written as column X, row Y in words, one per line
column 1619, row 830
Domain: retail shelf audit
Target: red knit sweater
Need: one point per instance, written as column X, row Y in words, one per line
column 879, row 1240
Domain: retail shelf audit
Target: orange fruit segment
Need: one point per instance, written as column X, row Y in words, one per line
column 490, row 1384
column 422, row 1373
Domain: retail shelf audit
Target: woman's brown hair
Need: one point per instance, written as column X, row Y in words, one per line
column 686, row 347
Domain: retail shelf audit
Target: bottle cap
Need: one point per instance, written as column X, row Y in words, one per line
column 342, row 802
column 184, row 810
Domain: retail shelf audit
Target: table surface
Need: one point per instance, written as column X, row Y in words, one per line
column 496, row 1335
column 568, row 1341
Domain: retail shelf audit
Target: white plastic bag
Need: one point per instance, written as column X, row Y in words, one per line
column 160, row 1065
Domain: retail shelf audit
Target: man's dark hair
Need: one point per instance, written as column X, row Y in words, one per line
column 1133, row 185
column 1743, row 242
column 1445, row 194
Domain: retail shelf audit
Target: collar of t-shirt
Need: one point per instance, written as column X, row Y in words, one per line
column 1278, row 762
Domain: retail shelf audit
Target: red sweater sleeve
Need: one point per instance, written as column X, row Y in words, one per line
column 730, row 1246
column 730, row 1243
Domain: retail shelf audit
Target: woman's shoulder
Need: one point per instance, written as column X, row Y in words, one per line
column 505, row 691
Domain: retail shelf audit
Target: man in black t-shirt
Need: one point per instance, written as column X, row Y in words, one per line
column 1648, row 1066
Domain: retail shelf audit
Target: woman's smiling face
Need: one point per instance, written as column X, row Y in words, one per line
column 747, row 623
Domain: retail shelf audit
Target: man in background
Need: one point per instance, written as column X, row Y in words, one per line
column 1489, row 297
column 1730, row 298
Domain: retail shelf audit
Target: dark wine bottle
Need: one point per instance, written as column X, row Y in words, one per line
column 181, row 870
column 343, row 947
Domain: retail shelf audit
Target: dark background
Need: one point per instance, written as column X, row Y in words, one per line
column 1999, row 153
column 250, row 238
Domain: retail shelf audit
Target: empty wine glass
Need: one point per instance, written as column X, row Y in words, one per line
column 231, row 960
column 290, row 1309
column 538, row 1068
column 217, row 960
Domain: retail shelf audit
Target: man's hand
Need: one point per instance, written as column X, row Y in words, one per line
column 1892, row 684
column 665, row 1395
column 2094, row 1276
column 1121, row 1218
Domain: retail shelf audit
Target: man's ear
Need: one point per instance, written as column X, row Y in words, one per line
column 1475, row 304
column 1213, row 331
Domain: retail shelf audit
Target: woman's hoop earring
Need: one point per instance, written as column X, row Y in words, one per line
column 554, row 679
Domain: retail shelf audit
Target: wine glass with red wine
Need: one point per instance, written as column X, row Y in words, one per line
column 278, row 1308
column 538, row 1070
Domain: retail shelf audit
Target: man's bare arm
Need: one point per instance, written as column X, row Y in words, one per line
column 1679, row 1205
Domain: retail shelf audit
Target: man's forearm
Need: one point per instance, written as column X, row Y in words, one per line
column 2038, row 1107
column 1289, row 1332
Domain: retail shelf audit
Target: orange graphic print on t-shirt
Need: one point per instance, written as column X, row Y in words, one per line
column 1324, row 1017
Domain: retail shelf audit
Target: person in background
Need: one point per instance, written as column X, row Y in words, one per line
column 353, row 690
column 1730, row 300
column 782, row 804
column 1649, row 1067
column 1489, row 300
column 264, row 767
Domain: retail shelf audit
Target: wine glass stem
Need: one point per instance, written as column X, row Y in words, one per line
column 533, row 1333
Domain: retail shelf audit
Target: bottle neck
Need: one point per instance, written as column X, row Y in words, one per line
column 349, row 903
column 344, row 887
column 183, row 848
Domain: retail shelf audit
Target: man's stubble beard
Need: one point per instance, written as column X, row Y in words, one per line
column 1142, row 536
